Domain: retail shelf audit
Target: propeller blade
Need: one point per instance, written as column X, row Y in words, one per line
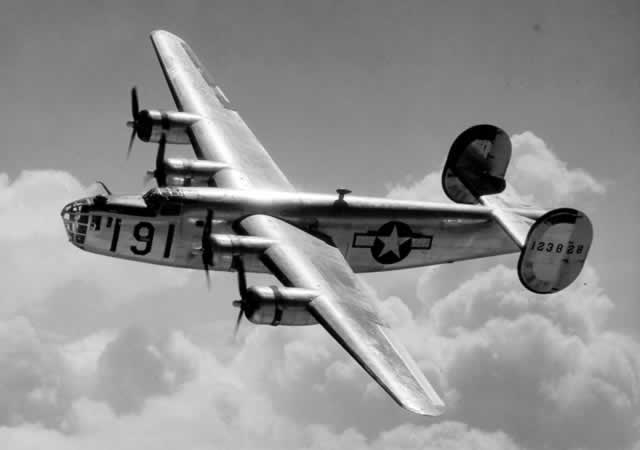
column 160, row 175
column 242, row 287
column 131, row 139
column 238, row 320
column 135, row 109
column 161, row 151
column 206, row 245
column 134, row 103
column 242, row 278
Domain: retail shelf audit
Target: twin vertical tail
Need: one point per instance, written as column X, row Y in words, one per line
column 554, row 244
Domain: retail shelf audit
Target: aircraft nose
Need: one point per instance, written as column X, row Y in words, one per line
column 75, row 217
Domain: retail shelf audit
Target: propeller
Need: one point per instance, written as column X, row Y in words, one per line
column 242, row 288
column 207, row 251
column 135, row 113
column 159, row 173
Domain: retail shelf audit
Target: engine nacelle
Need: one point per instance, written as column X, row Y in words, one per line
column 278, row 305
column 191, row 172
column 152, row 125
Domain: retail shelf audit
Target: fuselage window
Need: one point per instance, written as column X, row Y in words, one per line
column 95, row 222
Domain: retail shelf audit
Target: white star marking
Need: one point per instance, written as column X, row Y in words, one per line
column 392, row 242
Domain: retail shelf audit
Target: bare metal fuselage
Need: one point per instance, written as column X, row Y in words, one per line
column 374, row 234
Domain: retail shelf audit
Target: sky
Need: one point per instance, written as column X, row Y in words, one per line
column 100, row 353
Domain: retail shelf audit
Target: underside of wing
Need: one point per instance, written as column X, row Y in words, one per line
column 346, row 308
column 221, row 136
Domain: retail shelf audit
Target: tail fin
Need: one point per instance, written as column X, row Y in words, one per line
column 554, row 244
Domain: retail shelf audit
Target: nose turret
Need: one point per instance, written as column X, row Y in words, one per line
column 75, row 217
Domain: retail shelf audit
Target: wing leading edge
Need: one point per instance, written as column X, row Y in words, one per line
column 346, row 309
column 221, row 135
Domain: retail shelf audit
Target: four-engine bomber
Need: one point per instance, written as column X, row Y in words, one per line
column 232, row 209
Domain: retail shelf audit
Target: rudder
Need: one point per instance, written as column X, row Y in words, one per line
column 477, row 164
column 555, row 250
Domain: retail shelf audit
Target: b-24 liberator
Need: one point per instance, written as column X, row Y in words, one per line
column 232, row 209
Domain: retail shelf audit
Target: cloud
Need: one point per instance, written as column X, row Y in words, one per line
column 34, row 246
column 34, row 384
column 518, row 370
column 546, row 368
column 446, row 435
column 536, row 170
column 135, row 366
column 428, row 189
column 216, row 409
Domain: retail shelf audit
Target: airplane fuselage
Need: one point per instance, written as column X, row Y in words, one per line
column 374, row 234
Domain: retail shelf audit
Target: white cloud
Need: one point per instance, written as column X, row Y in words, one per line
column 34, row 384
column 217, row 410
column 516, row 368
column 536, row 170
column 428, row 189
column 34, row 247
column 446, row 435
column 546, row 368
column 136, row 366
column 82, row 355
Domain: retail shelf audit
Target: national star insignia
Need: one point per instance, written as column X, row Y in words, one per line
column 392, row 242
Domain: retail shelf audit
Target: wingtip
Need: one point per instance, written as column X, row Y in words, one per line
column 159, row 33
column 433, row 410
column 425, row 406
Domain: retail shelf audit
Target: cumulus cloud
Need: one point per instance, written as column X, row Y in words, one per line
column 134, row 367
column 217, row 409
column 34, row 247
column 34, row 384
column 546, row 368
column 534, row 164
column 517, row 370
column 427, row 189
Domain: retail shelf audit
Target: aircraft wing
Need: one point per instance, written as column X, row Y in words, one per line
column 221, row 135
column 346, row 308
